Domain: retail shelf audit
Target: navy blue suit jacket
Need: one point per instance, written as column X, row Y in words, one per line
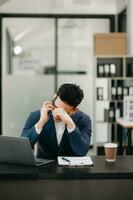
column 76, row 143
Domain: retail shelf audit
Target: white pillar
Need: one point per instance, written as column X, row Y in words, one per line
column 130, row 27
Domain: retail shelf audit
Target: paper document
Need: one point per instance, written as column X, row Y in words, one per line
column 74, row 161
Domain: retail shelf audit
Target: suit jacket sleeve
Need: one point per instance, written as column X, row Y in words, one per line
column 29, row 128
column 80, row 138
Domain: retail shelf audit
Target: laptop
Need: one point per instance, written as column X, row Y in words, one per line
column 17, row 150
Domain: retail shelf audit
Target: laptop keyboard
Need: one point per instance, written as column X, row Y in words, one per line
column 43, row 161
column 38, row 161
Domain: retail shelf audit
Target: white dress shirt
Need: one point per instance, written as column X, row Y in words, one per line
column 59, row 127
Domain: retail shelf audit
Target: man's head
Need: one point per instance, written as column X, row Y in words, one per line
column 69, row 96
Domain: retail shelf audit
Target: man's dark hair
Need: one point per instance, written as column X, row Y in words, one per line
column 71, row 94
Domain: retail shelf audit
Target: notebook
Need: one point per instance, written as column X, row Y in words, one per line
column 75, row 161
column 17, row 150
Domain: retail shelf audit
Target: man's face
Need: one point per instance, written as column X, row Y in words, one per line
column 58, row 103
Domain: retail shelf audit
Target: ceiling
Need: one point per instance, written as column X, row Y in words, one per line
column 2, row 2
column 56, row 6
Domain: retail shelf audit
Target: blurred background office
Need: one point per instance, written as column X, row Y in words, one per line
column 45, row 43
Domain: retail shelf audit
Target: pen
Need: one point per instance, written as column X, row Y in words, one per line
column 65, row 159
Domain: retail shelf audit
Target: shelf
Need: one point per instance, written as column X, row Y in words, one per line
column 104, row 100
column 111, row 84
column 101, row 144
column 129, row 77
column 102, row 122
column 109, row 100
column 121, row 77
column 111, row 56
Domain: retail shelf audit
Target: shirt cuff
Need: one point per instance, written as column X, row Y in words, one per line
column 38, row 130
column 70, row 130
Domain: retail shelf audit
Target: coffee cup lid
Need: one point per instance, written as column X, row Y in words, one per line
column 111, row 145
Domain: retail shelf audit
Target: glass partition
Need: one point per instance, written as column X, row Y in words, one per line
column 28, row 69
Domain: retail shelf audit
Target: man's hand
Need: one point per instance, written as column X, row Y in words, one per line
column 61, row 114
column 47, row 106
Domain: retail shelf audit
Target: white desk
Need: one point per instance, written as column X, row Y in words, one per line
column 128, row 125
column 124, row 123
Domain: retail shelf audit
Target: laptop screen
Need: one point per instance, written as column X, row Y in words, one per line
column 17, row 150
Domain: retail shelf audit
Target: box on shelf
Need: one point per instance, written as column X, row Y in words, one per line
column 110, row 43
column 128, row 108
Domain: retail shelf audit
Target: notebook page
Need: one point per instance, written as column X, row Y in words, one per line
column 77, row 161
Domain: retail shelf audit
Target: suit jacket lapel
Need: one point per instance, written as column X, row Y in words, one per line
column 52, row 131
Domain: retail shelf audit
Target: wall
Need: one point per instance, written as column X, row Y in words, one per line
column 130, row 27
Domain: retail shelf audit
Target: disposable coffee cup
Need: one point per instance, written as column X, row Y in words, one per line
column 110, row 151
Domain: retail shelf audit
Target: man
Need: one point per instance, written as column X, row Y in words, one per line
column 60, row 128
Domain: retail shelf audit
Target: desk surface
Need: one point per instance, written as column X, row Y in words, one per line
column 121, row 169
column 124, row 123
